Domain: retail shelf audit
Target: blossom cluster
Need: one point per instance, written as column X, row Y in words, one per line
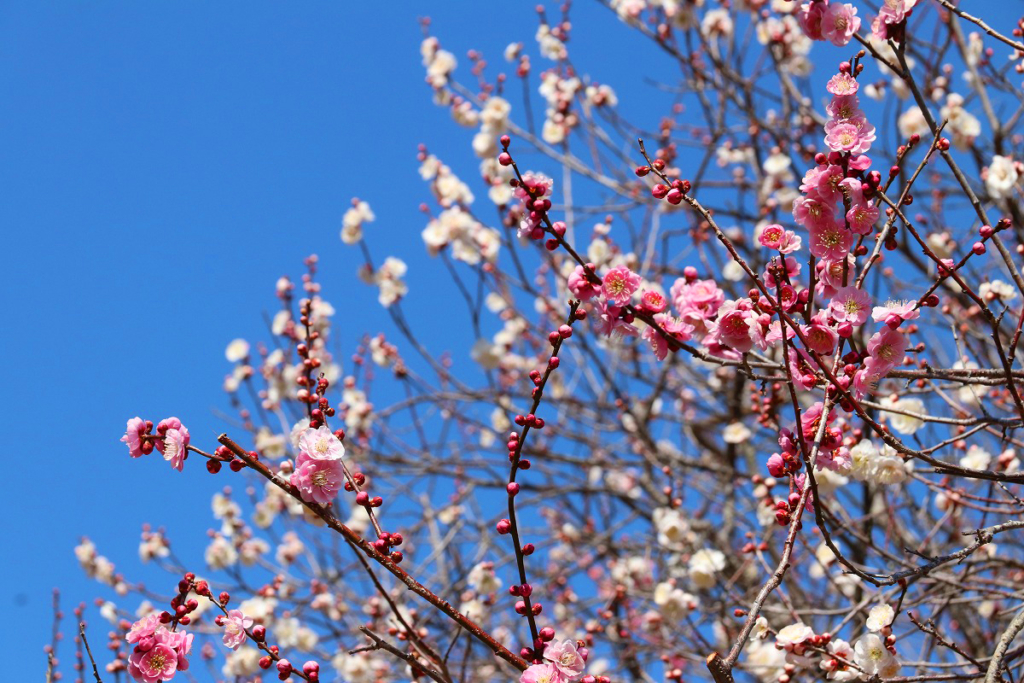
column 170, row 440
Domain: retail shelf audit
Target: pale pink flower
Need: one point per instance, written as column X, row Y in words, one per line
column 619, row 284
column 865, row 379
column 143, row 628
column 803, row 368
column 811, row 212
column 862, row 217
column 133, row 436
column 810, row 420
column 734, row 327
column 836, row 460
column 856, row 140
column 862, row 162
column 653, row 301
column 907, row 310
column 611, row 322
column 542, row 673
column 831, row 241
column 774, row 333
column 700, row 297
column 792, row 271
column 843, row 137
column 772, row 235
column 538, row 185
column 159, row 655
column 887, row 348
column 235, row 625
column 565, row 657
column 820, row 338
column 180, row 641
column 830, row 276
column 810, row 16
column 844, row 107
column 317, row 480
column 159, row 663
column 822, row 183
column 839, row 22
column 321, row 444
column 674, row 327
column 790, row 243
column 891, row 12
column 850, row 305
column 175, row 447
column 842, row 84
column 580, row 286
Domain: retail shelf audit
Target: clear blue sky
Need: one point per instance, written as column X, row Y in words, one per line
column 163, row 164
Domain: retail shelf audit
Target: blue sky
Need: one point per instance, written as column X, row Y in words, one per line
column 163, row 165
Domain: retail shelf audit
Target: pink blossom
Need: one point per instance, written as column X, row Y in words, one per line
column 133, row 436
column 792, row 271
column 843, row 107
column 799, row 482
column 840, row 137
column 180, row 641
column 865, row 379
column 811, row 212
column 843, row 137
column 862, row 218
column 839, row 22
column 774, row 333
column 906, row 310
column 161, row 430
column 159, row 663
column 673, row 327
column 776, row 466
column 143, row 628
column 580, row 286
column 822, row 183
column 837, row 460
column 772, row 235
column 810, row 16
column 321, row 444
column 790, row 243
column 787, row 297
column 831, row 242
column 175, row 447
column 565, row 658
column 619, row 284
column 861, row 162
column 842, row 84
column 542, row 673
column 317, row 480
column 891, row 12
column 803, row 368
column 830, row 276
column 734, row 327
column 810, row 420
column 887, row 348
column 696, row 301
column 538, row 184
column 652, row 301
column 820, row 338
column 850, row 305
column 532, row 191
column 235, row 625
column 158, row 654
column 612, row 321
